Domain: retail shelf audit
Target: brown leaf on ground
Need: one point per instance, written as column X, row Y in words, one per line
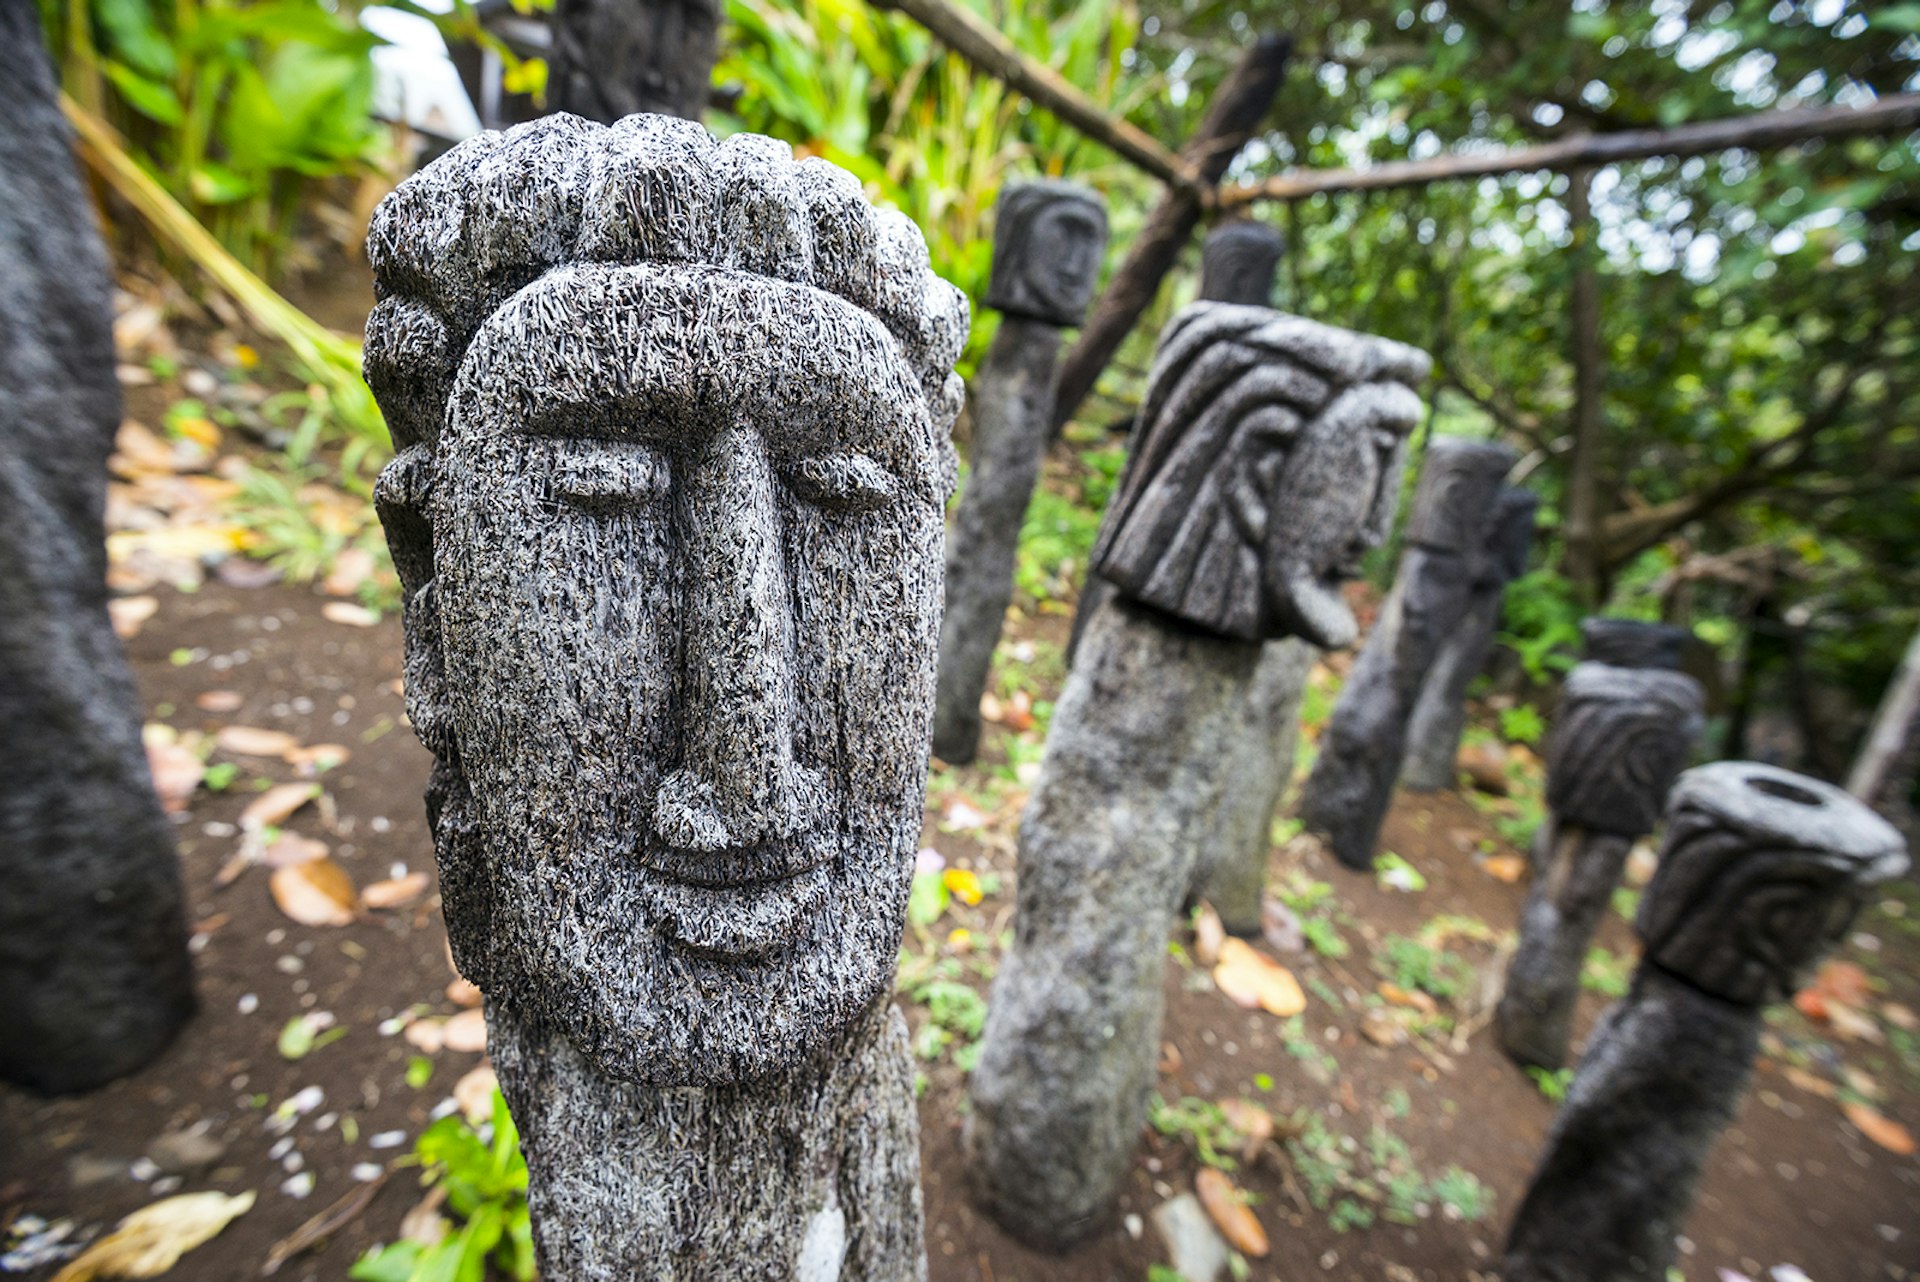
column 1811, row 1083
column 276, row 805
column 353, row 616
column 251, row 741
column 1507, row 868
column 466, row 1031
column 463, row 993
column 1879, row 1128
column 1844, row 982
column 316, row 893
column 1252, row 980
column 1381, row 1028
column 219, row 701
column 176, row 769
column 130, row 613
column 1170, row 1059
column 1254, row 1124
column 1485, row 766
column 1412, row 998
column 1232, row 1216
column 152, row 1239
column 395, row 893
column 429, row 1035
column 351, row 568
column 1208, row 935
column 474, row 1093
column 290, row 848
column 317, row 758
column 1019, row 714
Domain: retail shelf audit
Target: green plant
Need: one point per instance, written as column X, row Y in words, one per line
column 1202, row 1124
column 1522, row 723
column 1606, row 973
column 1412, row 964
column 1551, row 1082
column 486, row 1182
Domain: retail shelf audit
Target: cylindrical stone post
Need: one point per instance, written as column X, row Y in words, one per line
column 611, row 58
column 1761, row 873
column 1238, row 261
column 1346, row 797
column 1619, row 739
column 1267, row 461
column 95, row 979
column 672, row 421
column 1048, row 243
column 1433, row 736
column 1633, row 643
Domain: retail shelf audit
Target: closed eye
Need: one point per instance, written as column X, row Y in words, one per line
column 843, row 482
column 607, row 475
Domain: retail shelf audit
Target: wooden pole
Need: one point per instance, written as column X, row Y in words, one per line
column 1891, row 737
column 1760, row 131
column 967, row 34
column 1236, row 111
column 1581, row 529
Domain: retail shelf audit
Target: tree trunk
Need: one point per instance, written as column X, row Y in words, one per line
column 94, row 975
column 1581, row 528
column 1886, row 761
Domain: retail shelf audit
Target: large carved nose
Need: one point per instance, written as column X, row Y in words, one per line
column 738, row 783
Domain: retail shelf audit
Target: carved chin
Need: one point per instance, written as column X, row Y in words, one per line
column 1318, row 610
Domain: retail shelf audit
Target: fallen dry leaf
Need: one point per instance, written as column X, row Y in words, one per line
column 276, row 805
column 466, row 1031
column 1844, row 982
column 474, row 1093
column 424, row 1223
column 351, row 568
column 1254, row 1124
column 1208, row 935
column 429, row 1035
column 1252, row 980
column 1808, row 1082
column 1280, row 927
column 1019, row 713
column 1413, row 998
column 129, row 613
column 152, row 1239
column 354, row 616
column 319, row 757
column 251, row 741
column 1853, row 1025
column 288, row 849
column 396, row 892
column 1381, row 1028
column 1507, row 868
column 1170, row 1059
column 463, row 993
column 1879, row 1128
column 176, row 769
column 315, row 893
column 219, row 701
column 1900, row 1016
column 1232, row 1216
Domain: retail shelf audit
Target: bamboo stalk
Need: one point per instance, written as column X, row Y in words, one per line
column 1760, row 131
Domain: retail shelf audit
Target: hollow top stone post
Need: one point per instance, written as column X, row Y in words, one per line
column 1762, row 872
column 1632, row 643
column 1238, row 261
column 1266, row 465
column 1620, row 738
column 672, row 422
column 1048, row 239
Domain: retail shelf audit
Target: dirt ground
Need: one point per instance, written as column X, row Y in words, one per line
column 1793, row 1183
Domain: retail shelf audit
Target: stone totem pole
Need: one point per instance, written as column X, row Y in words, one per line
column 1046, row 259
column 95, row 978
column 1620, row 738
column 1433, row 736
column 1266, row 463
column 1346, row 797
column 1237, row 263
column 672, row 425
column 611, row 58
column 1761, row 874
column 1631, row 643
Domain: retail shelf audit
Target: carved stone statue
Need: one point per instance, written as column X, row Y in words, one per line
column 94, row 974
column 1046, row 256
column 611, row 58
column 1237, row 263
column 1266, row 462
column 1345, row 799
column 672, row 424
column 1631, row 643
column 1761, row 874
column 1620, row 738
column 1433, row 736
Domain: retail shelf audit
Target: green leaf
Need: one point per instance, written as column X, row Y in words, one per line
column 927, row 900
column 150, row 98
column 395, row 1262
column 216, row 184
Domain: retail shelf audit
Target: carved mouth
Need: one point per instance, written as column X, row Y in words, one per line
column 736, row 920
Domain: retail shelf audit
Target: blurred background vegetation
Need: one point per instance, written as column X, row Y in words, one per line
column 1757, row 468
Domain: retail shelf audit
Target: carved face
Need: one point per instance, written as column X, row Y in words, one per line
column 687, row 528
column 1620, row 738
column 1046, row 251
column 1266, row 467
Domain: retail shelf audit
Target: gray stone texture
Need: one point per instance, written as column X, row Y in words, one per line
column 1238, row 261
column 1433, row 736
column 1042, row 226
column 1620, row 738
column 1346, row 797
column 1126, row 816
column 94, row 974
column 672, row 418
column 1632, row 643
column 1048, row 240
column 1760, row 874
column 612, row 58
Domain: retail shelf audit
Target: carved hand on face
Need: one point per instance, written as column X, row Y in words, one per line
column 1266, row 466
column 687, row 535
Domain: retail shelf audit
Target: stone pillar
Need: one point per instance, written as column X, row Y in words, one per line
column 672, row 425
column 612, row 58
column 1620, row 738
column 1238, row 261
column 1762, row 872
column 1433, row 736
column 1046, row 257
column 94, row 975
column 1267, row 461
column 1631, row 643
column 1346, row 797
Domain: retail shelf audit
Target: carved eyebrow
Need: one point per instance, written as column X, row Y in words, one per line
column 854, row 482
column 596, row 472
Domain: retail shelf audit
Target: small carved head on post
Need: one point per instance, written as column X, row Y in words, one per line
column 1267, row 463
column 1634, row 643
column 1458, row 490
column 1048, row 239
column 1237, row 263
column 1509, row 536
column 1762, row 872
column 1620, row 738
column 672, row 422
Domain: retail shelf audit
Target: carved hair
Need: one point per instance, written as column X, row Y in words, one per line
column 1620, row 738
